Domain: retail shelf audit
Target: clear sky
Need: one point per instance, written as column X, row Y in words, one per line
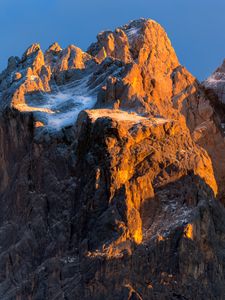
column 195, row 27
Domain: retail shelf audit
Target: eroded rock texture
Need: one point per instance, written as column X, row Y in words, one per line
column 111, row 171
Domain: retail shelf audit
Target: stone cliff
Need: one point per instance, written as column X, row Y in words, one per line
column 111, row 173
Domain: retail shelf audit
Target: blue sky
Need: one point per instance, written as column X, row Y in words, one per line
column 195, row 27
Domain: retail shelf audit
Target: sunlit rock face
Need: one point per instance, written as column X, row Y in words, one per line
column 141, row 154
column 150, row 60
column 110, row 164
column 153, row 82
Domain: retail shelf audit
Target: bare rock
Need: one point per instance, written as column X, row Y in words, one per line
column 111, row 170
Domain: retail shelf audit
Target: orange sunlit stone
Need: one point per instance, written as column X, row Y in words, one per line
column 38, row 124
column 188, row 231
column 160, row 238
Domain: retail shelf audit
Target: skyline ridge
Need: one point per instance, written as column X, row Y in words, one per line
column 195, row 32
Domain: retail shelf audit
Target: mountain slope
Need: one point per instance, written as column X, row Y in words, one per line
column 107, row 165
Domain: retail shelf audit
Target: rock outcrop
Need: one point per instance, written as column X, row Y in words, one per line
column 110, row 173
column 216, row 82
column 212, row 132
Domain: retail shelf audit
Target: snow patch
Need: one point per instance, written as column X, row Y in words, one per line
column 132, row 32
column 214, row 79
column 217, row 82
column 61, row 108
column 124, row 116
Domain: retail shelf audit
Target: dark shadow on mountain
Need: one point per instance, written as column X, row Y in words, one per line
column 171, row 263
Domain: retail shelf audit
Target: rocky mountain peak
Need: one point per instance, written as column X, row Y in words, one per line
column 72, row 57
column 133, row 41
column 216, row 82
column 31, row 50
column 110, row 160
column 55, row 47
column 222, row 67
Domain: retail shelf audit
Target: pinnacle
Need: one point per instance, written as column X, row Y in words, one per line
column 32, row 49
column 55, row 47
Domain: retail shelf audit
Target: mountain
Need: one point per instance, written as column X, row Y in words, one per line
column 111, row 173
column 216, row 81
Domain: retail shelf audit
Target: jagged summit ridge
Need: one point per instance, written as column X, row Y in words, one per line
column 124, row 53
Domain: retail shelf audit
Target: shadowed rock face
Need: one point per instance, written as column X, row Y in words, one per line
column 109, row 173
